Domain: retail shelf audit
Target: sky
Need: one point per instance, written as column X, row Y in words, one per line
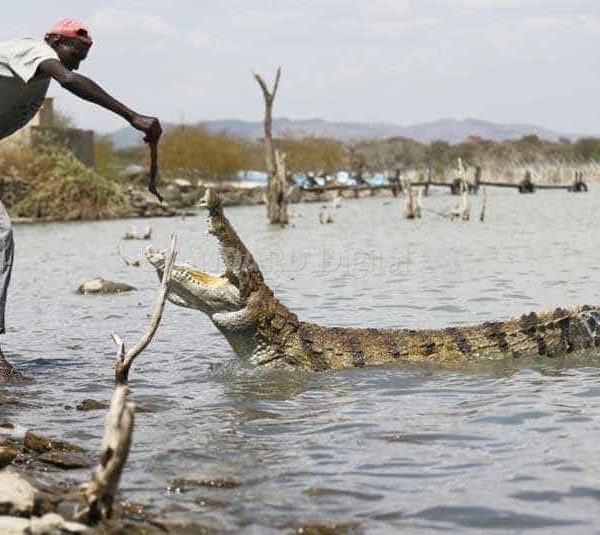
column 399, row 61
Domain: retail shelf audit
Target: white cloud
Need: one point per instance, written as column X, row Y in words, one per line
column 200, row 40
column 562, row 22
column 385, row 8
column 115, row 23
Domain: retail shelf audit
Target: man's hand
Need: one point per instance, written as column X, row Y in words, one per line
column 149, row 125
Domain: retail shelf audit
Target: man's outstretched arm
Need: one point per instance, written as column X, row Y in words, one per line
column 89, row 90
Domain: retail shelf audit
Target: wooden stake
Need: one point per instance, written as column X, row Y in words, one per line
column 483, row 205
column 412, row 208
column 464, row 208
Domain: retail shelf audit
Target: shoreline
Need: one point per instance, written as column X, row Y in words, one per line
column 182, row 201
column 181, row 198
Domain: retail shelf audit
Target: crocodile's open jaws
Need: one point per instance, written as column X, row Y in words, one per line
column 262, row 330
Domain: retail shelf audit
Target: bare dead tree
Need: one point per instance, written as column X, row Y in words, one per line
column 278, row 190
column 125, row 360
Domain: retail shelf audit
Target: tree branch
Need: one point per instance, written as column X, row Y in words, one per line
column 276, row 84
column 262, row 85
column 116, row 441
column 269, row 95
column 127, row 261
column 124, row 361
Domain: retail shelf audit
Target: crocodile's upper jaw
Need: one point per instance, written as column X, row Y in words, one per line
column 192, row 288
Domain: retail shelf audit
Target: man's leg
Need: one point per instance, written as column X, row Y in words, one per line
column 6, row 263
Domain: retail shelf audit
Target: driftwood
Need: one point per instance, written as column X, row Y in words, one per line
column 118, row 429
column 133, row 234
column 125, row 360
column 278, row 190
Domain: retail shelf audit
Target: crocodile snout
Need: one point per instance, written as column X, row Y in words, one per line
column 156, row 257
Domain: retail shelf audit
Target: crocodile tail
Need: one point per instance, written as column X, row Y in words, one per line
column 562, row 331
column 550, row 334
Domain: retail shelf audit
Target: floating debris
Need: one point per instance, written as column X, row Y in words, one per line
column 133, row 234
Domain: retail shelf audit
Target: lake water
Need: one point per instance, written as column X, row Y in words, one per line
column 506, row 449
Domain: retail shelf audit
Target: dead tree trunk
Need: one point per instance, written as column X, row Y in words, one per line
column 278, row 190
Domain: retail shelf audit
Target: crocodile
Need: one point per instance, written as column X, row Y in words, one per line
column 263, row 331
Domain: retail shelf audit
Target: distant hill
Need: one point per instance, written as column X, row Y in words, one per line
column 450, row 130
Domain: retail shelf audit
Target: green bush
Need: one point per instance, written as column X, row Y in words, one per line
column 61, row 187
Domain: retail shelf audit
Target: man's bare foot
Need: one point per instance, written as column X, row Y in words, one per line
column 6, row 370
column 9, row 374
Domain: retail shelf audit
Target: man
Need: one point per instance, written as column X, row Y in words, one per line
column 26, row 68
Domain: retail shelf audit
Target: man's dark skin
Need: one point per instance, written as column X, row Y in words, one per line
column 71, row 53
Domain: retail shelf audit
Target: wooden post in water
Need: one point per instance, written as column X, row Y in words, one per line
column 483, row 205
column 412, row 208
column 579, row 186
column 464, row 207
column 527, row 185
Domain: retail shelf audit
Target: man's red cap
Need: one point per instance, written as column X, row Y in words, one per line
column 72, row 28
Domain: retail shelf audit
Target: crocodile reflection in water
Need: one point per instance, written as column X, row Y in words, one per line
column 263, row 331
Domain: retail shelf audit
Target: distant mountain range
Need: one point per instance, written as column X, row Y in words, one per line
column 450, row 130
